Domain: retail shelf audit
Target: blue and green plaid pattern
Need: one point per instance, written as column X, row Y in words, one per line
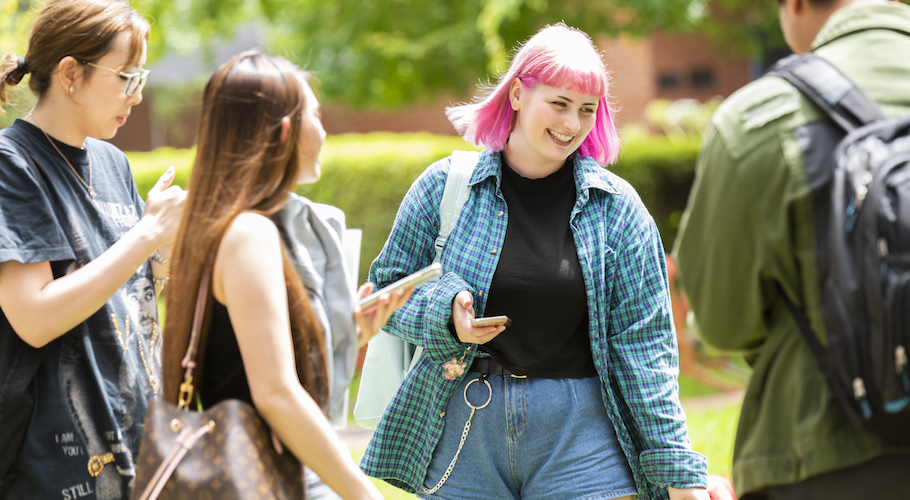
column 631, row 326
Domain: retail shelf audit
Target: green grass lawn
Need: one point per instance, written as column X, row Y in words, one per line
column 711, row 432
column 388, row 491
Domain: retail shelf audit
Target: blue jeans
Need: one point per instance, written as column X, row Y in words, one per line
column 536, row 439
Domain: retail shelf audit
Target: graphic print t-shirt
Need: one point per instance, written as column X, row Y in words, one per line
column 93, row 388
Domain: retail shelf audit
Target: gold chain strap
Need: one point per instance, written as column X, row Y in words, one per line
column 464, row 433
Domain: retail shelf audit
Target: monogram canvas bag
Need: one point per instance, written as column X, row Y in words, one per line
column 224, row 452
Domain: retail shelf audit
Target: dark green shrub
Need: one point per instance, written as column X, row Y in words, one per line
column 366, row 175
column 148, row 166
column 662, row 172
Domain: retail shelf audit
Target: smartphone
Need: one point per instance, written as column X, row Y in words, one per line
column 491, row 321
column 429, row 273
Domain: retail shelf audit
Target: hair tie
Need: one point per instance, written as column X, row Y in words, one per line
column 15, row 76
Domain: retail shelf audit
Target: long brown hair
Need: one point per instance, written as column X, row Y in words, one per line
column 241, row 166
column 83, row 29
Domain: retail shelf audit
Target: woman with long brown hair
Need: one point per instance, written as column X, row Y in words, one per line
column 260, row 134
column 78, row 356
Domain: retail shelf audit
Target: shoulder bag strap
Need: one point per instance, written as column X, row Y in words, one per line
column 829, row 89
column 189, row 360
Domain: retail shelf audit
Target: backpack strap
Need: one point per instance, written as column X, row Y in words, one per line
column 455, row 194
column 829, row 89
column 819, row 353
column 802, row 321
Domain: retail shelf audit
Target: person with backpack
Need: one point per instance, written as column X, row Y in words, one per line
column 578, row 398
column 780, row 254
column 78, row 359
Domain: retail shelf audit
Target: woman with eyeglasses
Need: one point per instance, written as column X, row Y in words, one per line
column 76, row 367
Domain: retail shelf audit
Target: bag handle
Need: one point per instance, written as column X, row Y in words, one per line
column 189, row 360
column 187, row 438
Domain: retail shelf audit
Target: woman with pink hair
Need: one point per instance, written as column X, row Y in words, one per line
column 575, row 395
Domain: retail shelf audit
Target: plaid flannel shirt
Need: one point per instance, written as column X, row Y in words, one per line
column 630, row 322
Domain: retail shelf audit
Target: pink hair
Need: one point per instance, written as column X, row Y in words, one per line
column 558, row 56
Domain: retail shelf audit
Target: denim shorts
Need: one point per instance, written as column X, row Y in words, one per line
column 536, row 439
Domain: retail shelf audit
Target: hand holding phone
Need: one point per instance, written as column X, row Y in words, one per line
column 429, row 273
column 491, row 321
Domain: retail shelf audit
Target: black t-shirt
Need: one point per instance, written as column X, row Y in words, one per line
column 93, row 388
column 538, row 281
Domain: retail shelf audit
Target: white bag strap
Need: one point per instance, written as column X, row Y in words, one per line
column 455, row 194
column 453, row 198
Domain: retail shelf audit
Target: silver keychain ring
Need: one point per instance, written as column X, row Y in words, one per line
column 489, row 398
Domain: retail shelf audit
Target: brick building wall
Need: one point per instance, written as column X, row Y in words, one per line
column 633, row 82
column 668, row 67
column 699, row 71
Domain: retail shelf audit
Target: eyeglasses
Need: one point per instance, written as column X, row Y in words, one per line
column 134, row 81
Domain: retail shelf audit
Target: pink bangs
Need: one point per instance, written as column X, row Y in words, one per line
column 555, row 73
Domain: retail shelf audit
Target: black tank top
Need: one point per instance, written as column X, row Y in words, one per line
column 224, row 376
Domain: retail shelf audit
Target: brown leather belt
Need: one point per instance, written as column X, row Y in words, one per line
column 489, row 365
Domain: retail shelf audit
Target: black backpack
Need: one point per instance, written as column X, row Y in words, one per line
column 18, row 364
column 858, row 169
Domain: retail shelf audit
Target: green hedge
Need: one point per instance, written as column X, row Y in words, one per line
column 366, row 175
column 661, row 171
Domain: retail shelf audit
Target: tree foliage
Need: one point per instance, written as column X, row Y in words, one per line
column 391, row 52
column 387, row 53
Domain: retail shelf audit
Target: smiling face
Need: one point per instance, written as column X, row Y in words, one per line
column 550, row 124
column 102, row 94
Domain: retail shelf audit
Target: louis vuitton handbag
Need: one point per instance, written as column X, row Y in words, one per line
column 224, row 452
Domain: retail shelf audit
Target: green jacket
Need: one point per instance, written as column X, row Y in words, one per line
column 748, row 228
